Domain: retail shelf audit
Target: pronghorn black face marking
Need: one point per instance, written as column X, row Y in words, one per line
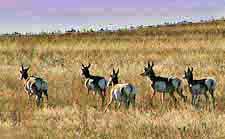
column 113, row 80
column 163, row 84
column 199, row 87
column 23, row 72
column 85, row 70
column 148, row 71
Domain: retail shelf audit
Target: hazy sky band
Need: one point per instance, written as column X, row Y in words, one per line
column 36, row 15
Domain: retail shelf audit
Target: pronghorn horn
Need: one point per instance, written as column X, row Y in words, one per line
column 118, row 71
column 89, row 65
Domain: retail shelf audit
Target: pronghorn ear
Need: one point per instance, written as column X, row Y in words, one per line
column 22, row 67
column 89, row 65
column 114, row 71
column 149, row 64
column 152, row 64
column 27, row 68
column 117, row 71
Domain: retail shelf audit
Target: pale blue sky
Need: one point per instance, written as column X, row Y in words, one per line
column 50, row 15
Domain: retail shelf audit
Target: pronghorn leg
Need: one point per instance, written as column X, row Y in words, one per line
column 180, row 93
column 38, row 95
column 194, row 100
column 103, row 100
column 133, row 101
column 153, row 94
column 162, row 97
column 109, row 103
column 38, row 100
column 173, row 97
column 96, row 99
column 46, row 94
column 29, row 98
column 104, row 92
column 128, row 103
column 206, row 99
column 213, row 98
column 118, row 105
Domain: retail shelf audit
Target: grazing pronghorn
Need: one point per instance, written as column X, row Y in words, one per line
column 33, row 85
column 125, row 93
column 200, row 87
column 94, row 83
column 163, row 84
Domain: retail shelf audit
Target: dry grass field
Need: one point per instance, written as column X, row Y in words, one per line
column 72, row 114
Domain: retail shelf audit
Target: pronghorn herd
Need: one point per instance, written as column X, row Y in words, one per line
column 126, row 92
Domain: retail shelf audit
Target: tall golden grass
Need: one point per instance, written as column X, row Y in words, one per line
column 72, row 114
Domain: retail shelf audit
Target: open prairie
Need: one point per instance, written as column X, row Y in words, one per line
column 70, row 113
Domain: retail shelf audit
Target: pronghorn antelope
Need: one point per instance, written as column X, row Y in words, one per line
column 199, row 87
column 94, row 83
column 33, row 85
column 163, row 84
column 120, row 92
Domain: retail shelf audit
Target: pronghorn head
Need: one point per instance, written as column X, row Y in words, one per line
column 148, row 71
column 188, row 74
column 85, row 70
column 23, row 72
column 113, row 78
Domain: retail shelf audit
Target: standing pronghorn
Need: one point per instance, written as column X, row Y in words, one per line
column 33, row 85
column 120, row 92
column 94, row 83
column 163, row 84
column 199, row 87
